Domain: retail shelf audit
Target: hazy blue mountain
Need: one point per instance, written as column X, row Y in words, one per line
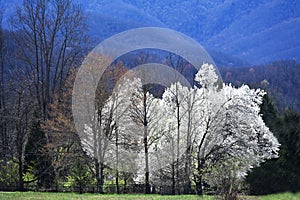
column 255, row 31
column 235, row 32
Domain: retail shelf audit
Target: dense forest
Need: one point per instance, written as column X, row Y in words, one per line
column 40, row 148
column 279, row 78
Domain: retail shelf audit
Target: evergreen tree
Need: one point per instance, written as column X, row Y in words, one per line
column 36, row 160
column 283, row 173
column 81, row 175
column 291, row 153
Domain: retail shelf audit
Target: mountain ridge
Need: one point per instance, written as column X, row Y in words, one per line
column 256, row 32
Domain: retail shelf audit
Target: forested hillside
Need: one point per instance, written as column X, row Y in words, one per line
column 222, row 26
column 281, row 79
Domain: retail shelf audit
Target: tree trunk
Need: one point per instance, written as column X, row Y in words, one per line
column 117, row 182
column 125, row 186
column 80, row 188
column 178, row 143
column 187, row 185
column 20, row 171
column 199, row 187
column 99, row 176
column 173, row 169
column 188, row 160
column 147, row 184
column 173, row 179
column 102, row 178
column 19, row 144
column 198, row 179
column 117, row 161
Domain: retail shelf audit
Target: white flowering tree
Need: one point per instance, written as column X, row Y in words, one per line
column 104, row 137
column 215, row 125
column 175, row 100
column 121, row 156
column 143, row 123
column 190, row 131
column 182, row 106
column 232, row 130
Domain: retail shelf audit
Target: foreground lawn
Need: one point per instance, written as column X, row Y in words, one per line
column 74, row 196
column 283, row 196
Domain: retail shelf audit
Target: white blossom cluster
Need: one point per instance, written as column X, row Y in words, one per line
column 206, row 127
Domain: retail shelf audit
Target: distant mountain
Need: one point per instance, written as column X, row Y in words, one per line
column 235, row 32
column 7, row 9
column 255, row 31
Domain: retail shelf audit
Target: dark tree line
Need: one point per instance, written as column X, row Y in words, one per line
column 281, row 174
column 46, row 42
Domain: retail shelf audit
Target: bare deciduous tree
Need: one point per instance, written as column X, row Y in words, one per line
column 50, row 39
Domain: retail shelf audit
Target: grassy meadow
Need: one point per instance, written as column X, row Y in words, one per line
column 74, row 196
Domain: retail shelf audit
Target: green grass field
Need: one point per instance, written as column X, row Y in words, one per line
column 283, row 196
column 73, row 196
